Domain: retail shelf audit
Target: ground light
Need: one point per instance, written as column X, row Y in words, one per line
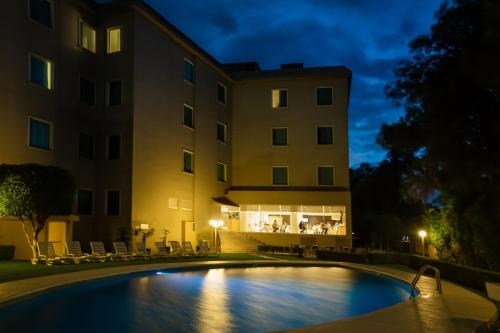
column 423, row 234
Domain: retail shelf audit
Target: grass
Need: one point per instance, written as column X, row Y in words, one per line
column 23, row 269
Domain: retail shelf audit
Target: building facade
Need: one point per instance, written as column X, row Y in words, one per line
column 159, row 134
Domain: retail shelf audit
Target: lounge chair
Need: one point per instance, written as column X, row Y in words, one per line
column 175, row 248
column 140, row 251
column 188, row 249
column 46, row 253
column 121, row 251
column 162, row 250
column 205, row 251
column 99, row 252
column 74, row 250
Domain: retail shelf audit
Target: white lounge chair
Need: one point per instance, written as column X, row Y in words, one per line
column 74, row 250
column 205, row 251
column 162, row 250
column 140, row 251
column 46, row 253
column 99, row 252
column 188, row 249
column 175, row 248
column 121, row 251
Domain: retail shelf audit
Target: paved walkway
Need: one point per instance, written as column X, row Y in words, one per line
column 455, row 310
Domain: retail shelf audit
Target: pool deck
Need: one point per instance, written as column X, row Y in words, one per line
column 455, row 310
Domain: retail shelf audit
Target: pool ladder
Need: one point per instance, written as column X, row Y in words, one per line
column 421, row 272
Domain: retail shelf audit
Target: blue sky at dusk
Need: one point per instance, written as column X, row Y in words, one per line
column 368, row 36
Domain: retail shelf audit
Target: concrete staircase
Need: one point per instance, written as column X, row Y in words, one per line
column 237, row 242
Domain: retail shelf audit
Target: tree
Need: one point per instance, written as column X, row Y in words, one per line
column 450, row 90
column 33, row 193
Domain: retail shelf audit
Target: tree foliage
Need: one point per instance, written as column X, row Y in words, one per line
column 450, row 90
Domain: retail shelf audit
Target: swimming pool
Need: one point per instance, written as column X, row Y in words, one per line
column 256, row 299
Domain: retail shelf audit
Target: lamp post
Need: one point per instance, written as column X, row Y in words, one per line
column 216, row 224
column 423, row 234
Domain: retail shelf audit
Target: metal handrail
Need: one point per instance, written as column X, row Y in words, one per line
column 421, row 272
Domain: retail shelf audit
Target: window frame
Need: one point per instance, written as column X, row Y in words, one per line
column 272, row 136
column 317, row 135
column 80, row 30
column 120, row 148
column 225, row 93
column 186, row 105
column 116, row 27
column 93, row 201
column 184, row 151
column 333, row 175
column 316, row 96
column 51, row 71
column 108, row 93
column 287, row 175
column 51, row 134
column 186, row 60
column 279, row 98
column 52, row 15
column 106, row 208
column 225, row 132
column 225, row 172
column 80, row 91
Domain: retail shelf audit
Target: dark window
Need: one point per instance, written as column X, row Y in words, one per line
column 221, row 93
column 188, row 116
column 115, row 93
column 87, row 92
column 188, row 162
column 221, row 172
column 113, row 203
column 41, row 72
column 85, row 202
column 325, row 135
column 188, row 71
column 39, row 134
column 325, row 175
column 114, row 142
column 324, row 96
column 280, row 98
column 221, row 132
column 41, row 11
column 86, row 146
column 280, row 136
column 280, row 176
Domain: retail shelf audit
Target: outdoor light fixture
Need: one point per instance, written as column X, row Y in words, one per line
column 423, row 234
column 144, row 226
column 216, row 224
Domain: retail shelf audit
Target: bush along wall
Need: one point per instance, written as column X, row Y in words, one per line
column 7, row 252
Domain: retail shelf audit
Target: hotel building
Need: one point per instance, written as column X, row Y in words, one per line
column 159, row 134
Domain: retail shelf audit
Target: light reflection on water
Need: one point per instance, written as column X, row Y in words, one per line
column 216, row 300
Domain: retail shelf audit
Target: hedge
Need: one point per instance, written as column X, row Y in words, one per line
column 7, row 252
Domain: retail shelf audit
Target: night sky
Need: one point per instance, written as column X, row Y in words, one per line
column 368, row 36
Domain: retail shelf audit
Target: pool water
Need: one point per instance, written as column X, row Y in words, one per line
column 256, row 299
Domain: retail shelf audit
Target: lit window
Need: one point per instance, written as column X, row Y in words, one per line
column 39, row 134
column 188, row 120
column 188, row 71
column 41, row 71
column 113, row 203
column 280, row 98
column 114, row 147
column 280, row 136
column 114, row 40
column 221, row 172
column 85, row 202
column 41, row 11
column 325, row 175
column 325, row 135
column 221, row 132
column 86, row 38
column 87, row 92
column 324, row 96
column 86, row 146
column 221, row 93
column 114, row 91
column 280, row 175
column 188, row 161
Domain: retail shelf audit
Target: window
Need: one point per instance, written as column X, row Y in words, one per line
column 280, row 175
column 221, row 172
column 280, row 136
column 324, row 96
column 188, row 120
column 41, row 71
column 41, row 11
column 86, row 37
column 325, row 175
column 86, row 146
column 280, row 98
column 39, row 134
column 87, row 92
column 113, row 203
column 221, row 93
column 188, row 161
column 114, row 40
column 325, row 135
column 85, row 202
column 188, row 71
column 114, row 149
column 114, row 91
column 221, row 132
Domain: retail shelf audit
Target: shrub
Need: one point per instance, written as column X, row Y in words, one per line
column 7, row 252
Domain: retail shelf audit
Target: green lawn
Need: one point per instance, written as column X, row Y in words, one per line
column 23, row 269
